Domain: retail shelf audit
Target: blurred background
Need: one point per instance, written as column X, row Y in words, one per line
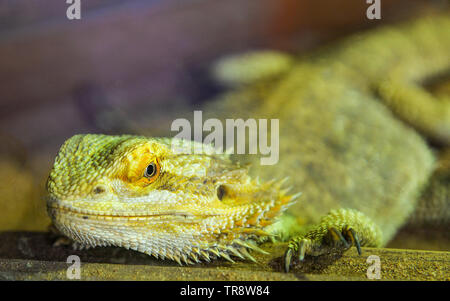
column 131, row 67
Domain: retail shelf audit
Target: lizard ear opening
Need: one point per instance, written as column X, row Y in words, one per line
column 99, row 189
column 221, row 191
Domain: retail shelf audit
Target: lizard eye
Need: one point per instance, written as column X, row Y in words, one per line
column 152, row 171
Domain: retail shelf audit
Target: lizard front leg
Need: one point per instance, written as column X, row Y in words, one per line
column 338, row 230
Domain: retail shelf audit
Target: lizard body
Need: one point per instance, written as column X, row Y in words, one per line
column 357, row 166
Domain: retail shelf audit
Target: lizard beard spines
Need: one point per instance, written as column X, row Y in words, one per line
column 238, row 249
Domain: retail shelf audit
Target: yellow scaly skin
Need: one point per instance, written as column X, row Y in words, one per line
column 203, row 205
column 339, row 141
column 195, row 207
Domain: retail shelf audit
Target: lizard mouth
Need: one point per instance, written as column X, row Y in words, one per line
column 54, row 207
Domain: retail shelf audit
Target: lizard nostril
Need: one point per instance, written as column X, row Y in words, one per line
column 221, row 192
column 99, row 189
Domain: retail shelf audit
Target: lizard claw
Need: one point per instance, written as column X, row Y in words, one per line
column 337, row 237
column 351, row 235
column 287, row 259
column 347, row 238
column 332, row 240
column 302, row 246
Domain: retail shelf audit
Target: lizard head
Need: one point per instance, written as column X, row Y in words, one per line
column 183, row 203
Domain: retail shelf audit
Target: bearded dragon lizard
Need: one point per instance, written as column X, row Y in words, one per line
column 358, row 167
